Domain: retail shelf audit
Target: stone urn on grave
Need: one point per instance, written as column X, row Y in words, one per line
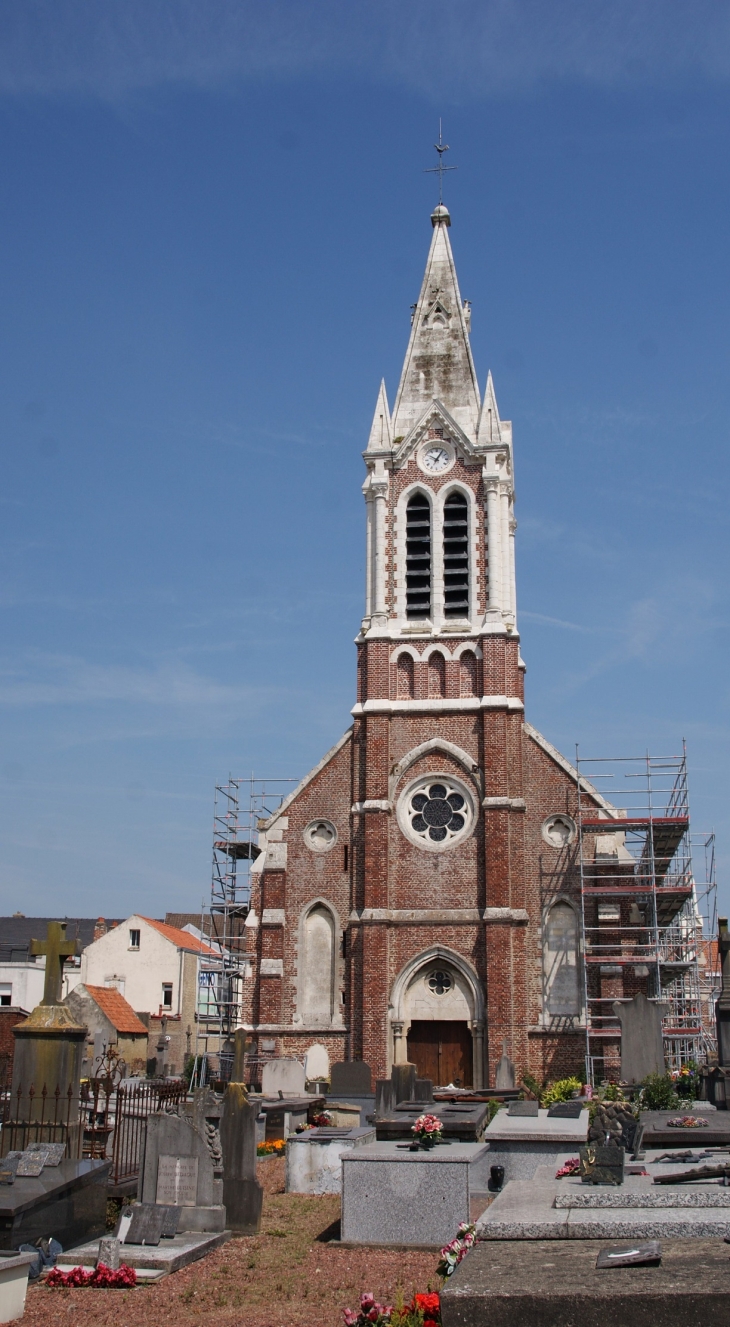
column 49, row 1044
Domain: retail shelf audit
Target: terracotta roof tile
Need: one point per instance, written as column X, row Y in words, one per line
column 120, row 1014
column 183, row 939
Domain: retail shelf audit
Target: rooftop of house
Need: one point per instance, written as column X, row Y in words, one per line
column 120, row 1014
column 183, row 939
column 17, row 932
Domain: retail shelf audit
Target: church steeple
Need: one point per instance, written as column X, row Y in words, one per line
column 438, row 363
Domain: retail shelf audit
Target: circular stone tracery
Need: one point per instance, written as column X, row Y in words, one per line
column 436, row 812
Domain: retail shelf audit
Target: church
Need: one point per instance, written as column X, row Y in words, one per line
column 417, row 895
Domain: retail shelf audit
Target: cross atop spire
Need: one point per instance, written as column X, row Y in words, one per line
column 440, row 170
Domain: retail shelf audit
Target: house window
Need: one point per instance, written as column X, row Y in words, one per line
column 134, row 939
column 418, row 557
column 6, row 993
column 167, row 995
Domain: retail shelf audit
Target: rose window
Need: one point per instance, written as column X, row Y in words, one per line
column 436, row 812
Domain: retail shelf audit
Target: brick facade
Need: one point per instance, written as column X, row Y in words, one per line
column 363, row 902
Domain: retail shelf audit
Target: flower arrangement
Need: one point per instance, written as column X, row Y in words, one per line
column 569, row 1167
column 102, row 1278
column 370, row 1312
column 323, row 1120
column 452, row 1254
column 687, row 1080
column 687, row 1122
column 427, row 1130
column 272, row 1147
column 424, row 1310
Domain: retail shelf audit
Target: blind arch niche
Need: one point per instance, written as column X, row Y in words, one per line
column 318, row 959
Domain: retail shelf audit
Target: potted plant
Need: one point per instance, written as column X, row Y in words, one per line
column 427, row 1131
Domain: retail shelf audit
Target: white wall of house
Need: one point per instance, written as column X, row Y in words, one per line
column 24, row 981
column 139, row 974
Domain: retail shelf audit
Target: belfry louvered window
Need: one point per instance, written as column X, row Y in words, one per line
column 456, row 556
column 418, row 556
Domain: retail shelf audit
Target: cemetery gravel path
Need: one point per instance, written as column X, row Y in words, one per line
column 288, row 1276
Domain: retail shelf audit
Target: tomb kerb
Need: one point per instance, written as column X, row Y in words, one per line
column 49, row 1044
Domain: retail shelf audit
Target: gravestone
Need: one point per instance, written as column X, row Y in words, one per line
column 316, row 1064
column 505, row 1074
column 566, row 1110
column 403, row 1080
column 242, row 1193
column 314, row 1158
column 351, row 1078
column 528, row 1109
column 146, row 1224
column 180, row 1168
column 49, row 1044
column 424, row 1091
column 286, row 1076
column 642, row 1046
column 109, row 1253
column 391, row 1195
column 67, row 1202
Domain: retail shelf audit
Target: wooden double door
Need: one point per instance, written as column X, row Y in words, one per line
column 441, row 1051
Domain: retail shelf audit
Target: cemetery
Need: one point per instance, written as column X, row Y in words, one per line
column 491, row 1201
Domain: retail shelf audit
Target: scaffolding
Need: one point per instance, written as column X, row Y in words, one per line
column 649, row 921
column 239, row 805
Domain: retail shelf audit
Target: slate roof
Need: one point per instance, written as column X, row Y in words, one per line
column 16, row 933
column 120, row 1014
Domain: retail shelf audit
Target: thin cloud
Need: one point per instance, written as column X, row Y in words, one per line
column 467, row 49
column 41, row 679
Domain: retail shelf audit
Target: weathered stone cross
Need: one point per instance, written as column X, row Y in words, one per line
column 56, row 949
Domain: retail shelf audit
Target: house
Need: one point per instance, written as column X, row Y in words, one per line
column 154, row 966
column 112, row 1022
column 22, row 975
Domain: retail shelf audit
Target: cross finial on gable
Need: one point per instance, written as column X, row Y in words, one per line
column 56, row 949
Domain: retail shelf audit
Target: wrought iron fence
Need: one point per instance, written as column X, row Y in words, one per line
column 103, row 1120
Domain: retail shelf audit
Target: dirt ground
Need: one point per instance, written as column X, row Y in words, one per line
column 288, row 1276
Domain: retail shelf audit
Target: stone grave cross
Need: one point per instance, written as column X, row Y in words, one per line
column 56, row 949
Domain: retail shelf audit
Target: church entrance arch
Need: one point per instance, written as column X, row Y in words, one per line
column 437, row 1018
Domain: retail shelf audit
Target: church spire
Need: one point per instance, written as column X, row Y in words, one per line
column 438, row 363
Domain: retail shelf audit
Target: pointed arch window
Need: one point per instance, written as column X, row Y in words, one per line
column 560, row 960
column 456, row 556
column 418, row 556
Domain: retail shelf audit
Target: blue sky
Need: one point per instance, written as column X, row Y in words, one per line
column 213, row 221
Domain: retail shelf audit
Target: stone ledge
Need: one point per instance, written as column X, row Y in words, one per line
column 556, row 1284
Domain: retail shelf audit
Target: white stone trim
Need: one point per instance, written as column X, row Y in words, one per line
column 273, row 917
column 504, row 803
column 472, row 646
column 373, row 804
column 437, row 916
column 338, row 965
column 476, row 990
column 300, row 1028
column 443, row 747
column 396, row 653
column 271, row 967
column 565, row 765
column 432, row 706
column 267, row 824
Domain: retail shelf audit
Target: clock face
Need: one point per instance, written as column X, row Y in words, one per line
column 436, row 459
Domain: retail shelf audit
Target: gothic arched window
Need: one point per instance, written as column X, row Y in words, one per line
column 456, row 556
column 560, row 961
column 418, row 556
column 317, row 988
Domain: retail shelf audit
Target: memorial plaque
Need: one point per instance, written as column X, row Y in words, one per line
column 566, row 1110
column 177, row 1181
column 636, row 1255
column 30, row 1165
column 530, row 1108
column 109, row 1253
column 146, row 1224
column 8, row 1167
column 55, row 1152
column 170, row 1221
column 123, row 1224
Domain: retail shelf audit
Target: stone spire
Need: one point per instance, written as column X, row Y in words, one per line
column 438, row 364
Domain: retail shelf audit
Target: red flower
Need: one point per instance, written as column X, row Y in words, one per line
column 429, row 1303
